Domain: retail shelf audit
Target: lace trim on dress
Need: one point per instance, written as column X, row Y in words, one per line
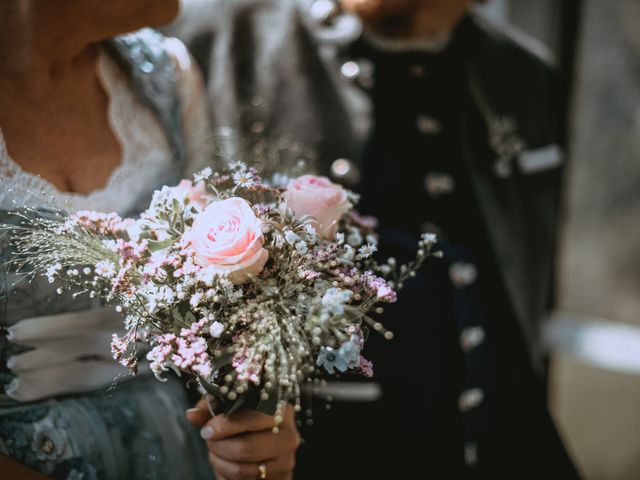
column 146, row 156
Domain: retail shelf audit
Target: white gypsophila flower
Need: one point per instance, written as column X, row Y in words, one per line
column 243, row 178
column 302, row 247
column 165, row 295
column 372, row 239
column 430, row 238
column 149, row 292
column 279, row 240
column 355, row 238
column 311, row 233
column 280, row 180
column 238, row 165
column 349, row 253
column 135, row 229
column 339, row 238
column 105, row 269
column 196, row 298
column 52, row 271
column 367, row 250
column 110, row 245
column 334, row 300
column 203, row 174
column 291, row 237
column 207, row 276
column 216, row 329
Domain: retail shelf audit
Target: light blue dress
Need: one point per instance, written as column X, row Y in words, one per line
column 137, row 429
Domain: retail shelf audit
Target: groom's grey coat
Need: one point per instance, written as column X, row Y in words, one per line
column 269, row 64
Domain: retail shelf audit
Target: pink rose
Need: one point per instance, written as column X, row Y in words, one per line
column 320, row 199
column 197, row 194
column 227, row 236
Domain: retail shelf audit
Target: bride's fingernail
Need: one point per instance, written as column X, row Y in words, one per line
column 206, row 432
column 193, row 411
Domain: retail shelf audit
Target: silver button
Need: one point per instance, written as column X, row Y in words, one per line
column 438, row 183
column 470, row 453
column 417, row 70
column 350, row 70
column 345, row 171
column 503, row 168
column 471, row 338
column 470, row 399
column 324, row 11
column 428, row 125
column 360, row 71
column 463, row 274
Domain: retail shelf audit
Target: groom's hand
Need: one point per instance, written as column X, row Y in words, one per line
column 240, row 443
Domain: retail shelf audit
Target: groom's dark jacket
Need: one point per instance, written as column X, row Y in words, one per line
column 465, row 142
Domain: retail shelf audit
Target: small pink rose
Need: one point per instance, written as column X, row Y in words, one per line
column 227, row 236
column 197, row 194
column 320, row 199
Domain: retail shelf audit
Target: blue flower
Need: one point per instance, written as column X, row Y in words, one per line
column 351, row 353
column 331, row 359
column 347, row 356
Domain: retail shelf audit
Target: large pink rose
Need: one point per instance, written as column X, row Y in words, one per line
column 320, row 199
column 227, row 236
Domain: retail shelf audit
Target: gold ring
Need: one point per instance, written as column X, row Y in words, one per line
column 262, row 470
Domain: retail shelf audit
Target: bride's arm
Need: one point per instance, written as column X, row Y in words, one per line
column 13, row 470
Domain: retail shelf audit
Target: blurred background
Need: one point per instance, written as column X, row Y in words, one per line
column 595, row 334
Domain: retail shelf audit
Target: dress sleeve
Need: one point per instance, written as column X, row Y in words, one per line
column 195, row 113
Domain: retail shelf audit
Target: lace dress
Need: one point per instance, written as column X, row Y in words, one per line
column 60, row 413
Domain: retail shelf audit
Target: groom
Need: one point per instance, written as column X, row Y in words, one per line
column 446, row 125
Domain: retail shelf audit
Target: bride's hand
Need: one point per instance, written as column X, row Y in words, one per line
column 240, row 443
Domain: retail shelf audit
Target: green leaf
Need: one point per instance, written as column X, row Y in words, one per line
column 189, row 318
column 237, row 405
column 156, row 245
column 211, row 388
column 176, row 314
column 223, row 360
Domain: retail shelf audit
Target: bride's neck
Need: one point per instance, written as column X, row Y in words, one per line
column 36, row 52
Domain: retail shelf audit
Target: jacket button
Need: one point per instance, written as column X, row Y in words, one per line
column 428, row 125
column 417, row 70
column 471, row 337
column 350, row 70
column 345, row 171
column 503, row 168
column 463, row 274
column 438, row 183
column 324, row 11
column 358, row 71
column 470, row 453
column 470, row 399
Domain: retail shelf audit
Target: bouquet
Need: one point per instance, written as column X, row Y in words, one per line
column 253, row 287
